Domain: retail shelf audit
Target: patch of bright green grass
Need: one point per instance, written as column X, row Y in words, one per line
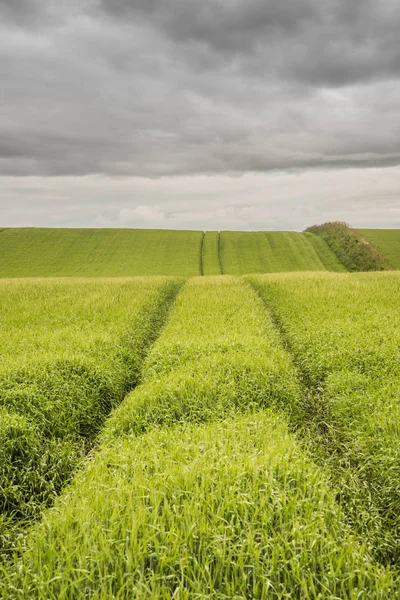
column 71, row 349
column 226, row 510
column 344, row 333
column 219, row 355
column 211, row 262
column 99, row 252
column 274, row 252
column 173, row 506
column 387, row 241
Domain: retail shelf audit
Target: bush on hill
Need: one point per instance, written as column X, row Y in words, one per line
column 353, row 251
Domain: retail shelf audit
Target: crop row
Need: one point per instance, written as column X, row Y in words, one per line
column 71, row 351
column 199, row 489
column 344, row 333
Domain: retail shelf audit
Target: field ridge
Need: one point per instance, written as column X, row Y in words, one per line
column 351, row 409
column 219, row 253
column 55, row 444
column 201, row 254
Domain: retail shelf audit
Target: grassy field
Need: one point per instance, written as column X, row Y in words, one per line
column 99, row 252
column 199, row 488
column 275, row 252
column 344, row 334
column 144, row 252
column 387, row 241
column 70, row 350
column 211, row 259
column 222, row 436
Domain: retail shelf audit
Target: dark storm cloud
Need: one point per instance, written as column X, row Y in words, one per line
column 173, row 87
column 334, row 42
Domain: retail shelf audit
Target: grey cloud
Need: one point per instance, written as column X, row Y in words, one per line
column 329, row 42
column 173, row 87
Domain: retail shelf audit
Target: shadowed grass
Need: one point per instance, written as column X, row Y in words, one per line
column 352, row 250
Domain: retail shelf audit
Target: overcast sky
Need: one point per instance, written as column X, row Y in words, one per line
column 213, row 114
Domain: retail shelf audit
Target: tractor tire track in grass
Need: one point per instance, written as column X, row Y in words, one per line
column 51, row 412
column 211, row 262
column 343, row 334
column 198, row 490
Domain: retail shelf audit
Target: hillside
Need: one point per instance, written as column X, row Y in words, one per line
column 31, row 252
column 98, row 252
column 387, row 241
column 275, row 252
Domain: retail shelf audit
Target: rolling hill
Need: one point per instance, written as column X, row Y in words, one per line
column 39, row 252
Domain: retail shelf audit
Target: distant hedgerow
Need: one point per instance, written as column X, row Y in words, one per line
column 353, row 251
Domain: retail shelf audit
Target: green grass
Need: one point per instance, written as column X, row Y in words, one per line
column 351, row 249
column 219, row 355
column 71, row 351
column 274, row 252
column 226, row 510
column 99, row 252
column 187, row 497
column 344, row 334
column 387, row 241
column 211, row 261
column 30, row 252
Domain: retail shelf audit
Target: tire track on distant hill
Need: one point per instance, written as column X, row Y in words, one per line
column 201, row 254
column 219, row 253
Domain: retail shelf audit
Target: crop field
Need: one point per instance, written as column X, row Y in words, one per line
column 387, row 241
column 211, row 260
column 275, row 252
column 344, row 334
column 70, row 350
column 209, row 436
column 144, row 252
column 256, row 456
column 99, row 252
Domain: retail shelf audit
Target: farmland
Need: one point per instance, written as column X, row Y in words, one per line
column 200, row 485
column 344, row 334
column 388, row 242
column 99, row 252
column 70, row 351
column 144, row 252
column 211, row 436
column 275, row 252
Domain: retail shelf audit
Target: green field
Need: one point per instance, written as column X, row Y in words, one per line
column 211, row 262
column 70, row 350
column 344, row 334
column 143, row 252
column 275, row 252
column 200, row 486
column 388, row 242
column 99, row 252
column 217, row 436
